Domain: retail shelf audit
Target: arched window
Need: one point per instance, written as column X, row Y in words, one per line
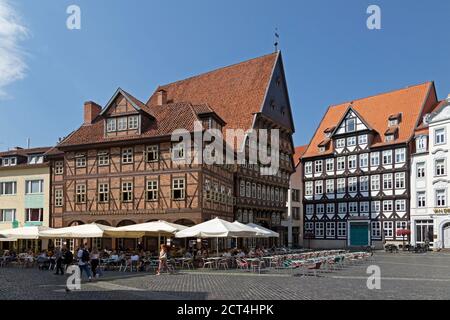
column 242, row 191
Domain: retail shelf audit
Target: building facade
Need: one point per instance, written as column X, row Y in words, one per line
column 121, row 167
column 24, row 188
column 357, row 169
column 430, row 213
column 294, row 219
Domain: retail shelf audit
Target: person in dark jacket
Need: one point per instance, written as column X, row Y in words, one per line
column 59, row 261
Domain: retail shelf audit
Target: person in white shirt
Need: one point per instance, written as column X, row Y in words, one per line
column 83, row 261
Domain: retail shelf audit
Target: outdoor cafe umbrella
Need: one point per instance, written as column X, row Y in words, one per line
column 24, row 233
column 263, row 232
column 84, row 231
column 216, row 228
column 154, row 228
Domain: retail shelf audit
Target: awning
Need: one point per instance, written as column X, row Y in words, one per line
column 84, row 231
column 155, row 228
column 216, row 228
column 264, row 232
column 24, row 233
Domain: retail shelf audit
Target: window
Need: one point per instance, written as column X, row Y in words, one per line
column 309, row 226
column 440, row 167
column 330, row 186
column 364, row 160
column 330, row 208
column 133, row 122
column 441, row 198
column 103, row 192
column 263, row 192
column 330, row 165
column 242, row 189
column 152, row 190
column 362, row 139
column 34, row 186
column 254, row 191
column 375, row 159
column 401, row 225
column 7, row 215
column 103, row 159
column 387, row 157
column 178, row 189
column 340, row 143
column 341, row 163
column 320, row 209
column 7, row 162
column 309, row 209
column 127, row 155
column 59, row 167
column 80, row 161
column 400, row 180
column 424, row 230
column 308, row 188
column 80, row 193
column 393, row 123
column 375, row 182
column 178, row 152
column 341, row 185
column 387, row 181
column 258, row 191
column 420, row 170
column 389, row 138
column 421, row 144
column 296, row 195
column 111, row 125
column 387, row 206
column 319, row 229
column 127, row 191
column 439, row 136
column 122, row 124
column 376, row 207
column 342, row 229
column 350, row 125
column 364, row 184
column 319, row 166
column 308, row 167
column 388, row 227
column 400, row 205
column 8, row 188
column 35, row 159
column 351, row 141
column 364, row 207
column 400, row 155
column 421, row 200
column 353, row 184
column 248, row 190
column 342, row 208
column 58, row 197
column 319, row 187
column 152, row 154
column 331, row 229
column 351, row 162
column 376, row 229
column 353, row 207
column 34, row 215
column 322, row 149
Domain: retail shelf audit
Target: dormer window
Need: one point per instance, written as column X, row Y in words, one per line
column 321, row 149
column 111, row 125
column 122, row 124
column 394, row 120
column 133, row 122
column 389, row 138
column 36, row 159
column 9, row 162
column 393, row 123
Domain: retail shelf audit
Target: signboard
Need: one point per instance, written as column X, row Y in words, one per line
column 442, row 211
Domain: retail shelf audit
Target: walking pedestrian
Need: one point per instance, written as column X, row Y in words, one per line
column 83, row 262
column 95, row 261
column 59, row 261
column 162, row 259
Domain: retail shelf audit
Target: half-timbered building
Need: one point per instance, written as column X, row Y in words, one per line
column 120, row 167
column 357, row 169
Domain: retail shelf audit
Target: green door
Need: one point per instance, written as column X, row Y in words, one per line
column 359, row 234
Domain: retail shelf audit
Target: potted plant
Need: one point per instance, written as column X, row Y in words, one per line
column 403, row 233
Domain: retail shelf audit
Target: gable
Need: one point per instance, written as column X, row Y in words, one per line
column 120, row 106
column 351, row 123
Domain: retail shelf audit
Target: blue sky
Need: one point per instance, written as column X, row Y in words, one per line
column 330, row 55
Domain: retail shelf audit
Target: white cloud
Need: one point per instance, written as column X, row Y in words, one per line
column 12, row 31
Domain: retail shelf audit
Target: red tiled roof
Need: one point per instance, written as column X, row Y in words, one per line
column 422, row 129
column 235, row 93
column 25, row 152
column 299, row 151
column 412, row 102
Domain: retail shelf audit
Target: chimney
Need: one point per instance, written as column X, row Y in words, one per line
column 91, row 111
column 162, row 97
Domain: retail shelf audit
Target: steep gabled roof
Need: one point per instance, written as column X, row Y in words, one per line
column 136, row 103
column 299, row 152
column 24, row 152
column 236, row 93
column 412, row 102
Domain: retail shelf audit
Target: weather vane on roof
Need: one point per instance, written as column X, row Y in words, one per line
column 277, row 39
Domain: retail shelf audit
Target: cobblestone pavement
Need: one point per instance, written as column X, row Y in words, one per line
column 404, row 276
